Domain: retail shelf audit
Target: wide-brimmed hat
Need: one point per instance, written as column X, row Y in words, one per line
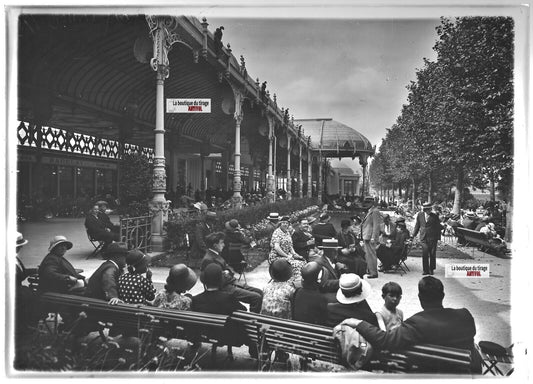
column 352, row 289
column 59, row 240
column 427, row 206
column 231, row 225
column 471, row 215
column 101, row 202
column 280, row 270
column 21, row 240
column 135, row 258
column 116, row 249
column 211, row 214
column 273, row 216
column 284, row 218
column 330, row 244
column 211, row 276
column 400, row 220
column 181, row 277
column 311, row 219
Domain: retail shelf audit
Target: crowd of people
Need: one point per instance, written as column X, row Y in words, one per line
column 318, row 275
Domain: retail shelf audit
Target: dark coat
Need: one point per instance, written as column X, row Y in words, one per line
column 54, row 274
column 299, row 242
column 106, row 221
column 383, row 237
column 338, row 312
column 94, row 226
column 323, row 231
column 330, row 276
column 212, row 257
column 441, row 326
column 309, row 306
column 429, row 230
column 219, row 302
column 198, row 248
column 103, row 284
column 232, row 251
column 355, row 261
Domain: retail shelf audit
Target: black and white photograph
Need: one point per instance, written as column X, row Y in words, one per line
column 267, row 190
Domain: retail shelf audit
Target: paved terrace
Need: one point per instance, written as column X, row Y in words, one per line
column 489, row 299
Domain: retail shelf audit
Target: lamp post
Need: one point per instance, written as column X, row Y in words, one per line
column 161, row 28
column 363, row 160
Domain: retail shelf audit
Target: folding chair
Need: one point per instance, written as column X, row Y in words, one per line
column 494, row 356
column 401, row 266
column 237, row 260
column 97, row 244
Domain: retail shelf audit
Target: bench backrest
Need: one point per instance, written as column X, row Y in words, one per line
column 166, row 322
column 471, row 234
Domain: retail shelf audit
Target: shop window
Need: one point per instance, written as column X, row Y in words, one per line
column 66, row 181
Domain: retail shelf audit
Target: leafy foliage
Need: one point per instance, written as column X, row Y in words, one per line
column 135, row 180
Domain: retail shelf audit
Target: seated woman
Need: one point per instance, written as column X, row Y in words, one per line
column 135, row 286
column 494, row 238
column 235, row 239
column 281, row 248
column 391, row 255
column 278, row 293
column 180, row 279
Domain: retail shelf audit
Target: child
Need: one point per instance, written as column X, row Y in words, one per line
column 133, row 287
column 389, row 316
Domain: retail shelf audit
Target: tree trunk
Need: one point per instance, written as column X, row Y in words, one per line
column 458, row 191
column 492, row 190
column 430, row 188
column 400, row 190
column 414, row 194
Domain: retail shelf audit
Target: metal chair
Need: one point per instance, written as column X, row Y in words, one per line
column 494, row 356
column 97, row 244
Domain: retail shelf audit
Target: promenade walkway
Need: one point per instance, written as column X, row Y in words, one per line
column 489, row 299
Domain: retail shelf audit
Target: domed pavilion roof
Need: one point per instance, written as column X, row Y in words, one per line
column 335, row 139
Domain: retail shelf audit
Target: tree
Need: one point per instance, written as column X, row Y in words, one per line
column 135, row 184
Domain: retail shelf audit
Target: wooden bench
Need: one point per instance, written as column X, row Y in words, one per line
column 169, row 323
column 478, row 239
column 316, row 342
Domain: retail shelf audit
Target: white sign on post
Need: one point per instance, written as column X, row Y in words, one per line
column 188, row 105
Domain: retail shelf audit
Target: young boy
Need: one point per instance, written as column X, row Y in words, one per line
column 389, row 316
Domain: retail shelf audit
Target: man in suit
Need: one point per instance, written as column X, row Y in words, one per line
column 308, row 304
column 323, row 229
column 370, row 234
column 242, row 292
column 428, row 224
column 100, row 227
column 331, row 269
column 435, row 324
column 203, row 228
column 351, row 301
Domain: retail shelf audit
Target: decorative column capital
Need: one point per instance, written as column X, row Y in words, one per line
column 162, row 33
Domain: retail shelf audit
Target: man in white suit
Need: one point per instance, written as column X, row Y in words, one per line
column 370, row 233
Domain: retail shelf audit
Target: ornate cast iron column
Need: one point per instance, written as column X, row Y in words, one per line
column 270, row 177
column 289, row 180
column 237, row 184
column 309, row 173
column 320, row 185
column 363, row 160
column 161, row 28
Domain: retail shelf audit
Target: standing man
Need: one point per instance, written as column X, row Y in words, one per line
column 428, row 224
column 370, row 233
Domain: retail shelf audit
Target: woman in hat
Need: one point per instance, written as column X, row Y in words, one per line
column 180, row 279
column 281, row 247
column 57, row 274
column 235, row 239
column 278, row 293
column 135, row 286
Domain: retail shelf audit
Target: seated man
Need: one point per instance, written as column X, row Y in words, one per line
column 435, row 324
column 351, row 254
column 242, row 292
column 351, row 301
column 331, row 269
column 308, row 304
column 98, row 229
column 323, row 229
column 391, row 254
column 56, row 274
column 302, row 238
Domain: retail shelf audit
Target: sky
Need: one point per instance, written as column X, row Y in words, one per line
column 353, row 71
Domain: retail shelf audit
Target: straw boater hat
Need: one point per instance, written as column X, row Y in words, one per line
column 400, row 221
column 311, row 219
column 280, row 270
column 181, row 277
column 427, row 206
column 324, row 216
column 352, row 289
column 273, row 216
column 330, row 244
column 211, row 214
column 21, row 240
column 101, row 202
column 59, row 240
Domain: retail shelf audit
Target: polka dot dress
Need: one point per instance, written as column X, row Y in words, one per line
column 135, row 288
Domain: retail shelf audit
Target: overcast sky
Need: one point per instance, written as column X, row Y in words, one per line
column 354, row 71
